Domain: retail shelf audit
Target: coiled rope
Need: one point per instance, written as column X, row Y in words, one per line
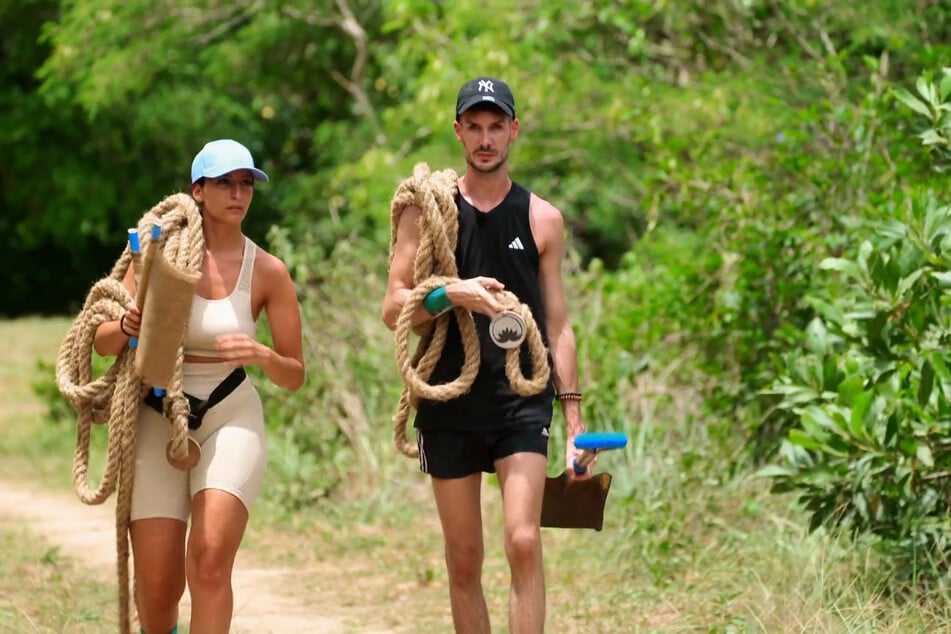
column 435, row 265
column 116, row 396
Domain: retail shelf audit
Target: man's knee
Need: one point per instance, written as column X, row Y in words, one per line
column 464, row 564
column 523, row 545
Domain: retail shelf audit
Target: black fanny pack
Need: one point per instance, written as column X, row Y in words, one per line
column 198, row 407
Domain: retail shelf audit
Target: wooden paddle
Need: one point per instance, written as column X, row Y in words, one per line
column 571, row 503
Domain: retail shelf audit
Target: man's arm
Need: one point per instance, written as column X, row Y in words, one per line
column 473, row 294
column 549, row 227
column 400, row 281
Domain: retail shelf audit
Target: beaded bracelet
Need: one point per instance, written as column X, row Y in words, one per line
column 568, row 396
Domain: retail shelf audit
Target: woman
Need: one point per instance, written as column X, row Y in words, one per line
column 239, row 280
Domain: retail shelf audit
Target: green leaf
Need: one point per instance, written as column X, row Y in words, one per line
column 794, row 394
column 943, row 277
column 923, row 453
column 925, row 383
column 830, row 374
column 773, row 471
column 908, row 281
column 817, row 419
column 892, row 228
column 912, row 102
column 945, row 85
column 848, row 267
column 908, row 446
column 829, row 311
column 891, row 431
column 889, row 275
column 861, row 402
column 861, row 505
column 800, row 438
column 817, row 339
column 851, row 389
column 940, row 367
column 932, row 137
column 926, row 90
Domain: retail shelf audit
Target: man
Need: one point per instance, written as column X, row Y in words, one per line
column 508, row 238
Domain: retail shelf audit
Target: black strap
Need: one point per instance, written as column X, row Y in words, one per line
column 199, row 407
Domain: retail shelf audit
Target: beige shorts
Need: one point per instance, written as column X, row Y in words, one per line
column 233, row 449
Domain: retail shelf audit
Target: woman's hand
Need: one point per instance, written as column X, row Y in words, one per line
column 131, row 321
column 241, row 349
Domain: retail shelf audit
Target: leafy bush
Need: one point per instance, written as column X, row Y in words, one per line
column 871, row 390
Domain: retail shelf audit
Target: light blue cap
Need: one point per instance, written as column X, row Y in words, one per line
column 220, row 157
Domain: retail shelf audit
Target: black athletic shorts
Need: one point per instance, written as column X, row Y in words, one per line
column 455, row 454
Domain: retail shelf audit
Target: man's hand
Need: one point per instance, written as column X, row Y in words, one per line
column 476, row 295
column 572, row 454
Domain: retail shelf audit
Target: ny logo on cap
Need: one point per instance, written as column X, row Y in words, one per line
column 486, row 85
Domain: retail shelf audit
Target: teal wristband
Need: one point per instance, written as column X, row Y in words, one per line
column 437, row 302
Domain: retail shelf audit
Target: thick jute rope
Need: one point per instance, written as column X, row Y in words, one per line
column 116, row 396
column 435, row 265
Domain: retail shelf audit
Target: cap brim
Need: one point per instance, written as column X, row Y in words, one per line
column 259, row 175
column 480, row 99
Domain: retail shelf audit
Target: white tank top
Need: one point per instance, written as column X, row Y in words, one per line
column 228, row 315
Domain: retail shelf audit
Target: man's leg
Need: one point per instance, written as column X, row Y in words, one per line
column 459, row 502
column 522, row 479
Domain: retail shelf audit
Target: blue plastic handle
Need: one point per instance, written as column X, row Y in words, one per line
column 136, row 248
column 134, row 245
column 156, row 234
column 592, row 442
column 596, row 441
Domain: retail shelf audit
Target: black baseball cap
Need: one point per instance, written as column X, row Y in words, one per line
column 485, row 90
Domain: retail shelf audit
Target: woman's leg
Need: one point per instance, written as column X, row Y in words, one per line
column 224, row 486
column 218, row 523
column 160, row 499
column 158, row 549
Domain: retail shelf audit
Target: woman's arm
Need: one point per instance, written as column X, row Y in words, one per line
column 284, row 363
column 110, row 339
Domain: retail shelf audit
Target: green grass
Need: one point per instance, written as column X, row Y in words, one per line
column 40, row 589
column 682, row 550
column 33, row 443
column 43, row 591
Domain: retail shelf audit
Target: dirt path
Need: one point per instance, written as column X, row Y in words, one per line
column 87, row 534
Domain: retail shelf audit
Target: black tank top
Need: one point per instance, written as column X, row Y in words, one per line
column 497, row 243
